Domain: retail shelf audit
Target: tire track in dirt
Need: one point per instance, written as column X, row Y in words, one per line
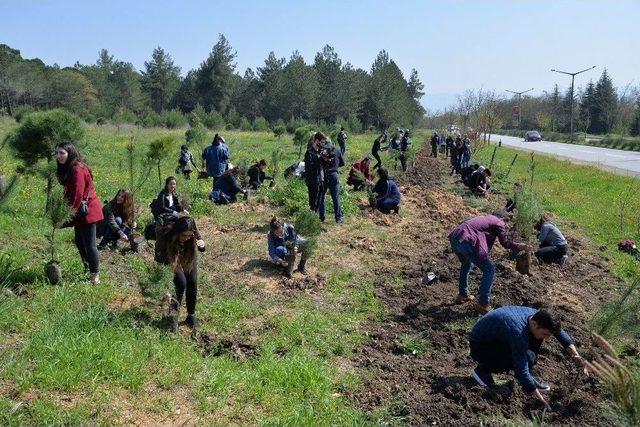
column 435, row 387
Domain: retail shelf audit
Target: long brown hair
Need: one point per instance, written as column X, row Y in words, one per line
column 182, row 254
column 126, row 209
column 64, row 171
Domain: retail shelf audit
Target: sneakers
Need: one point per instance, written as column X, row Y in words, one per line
column 464, row 298
column 192, row 322
column 94, row 279
column 340, row 220
column 482, row 377
column 483, row 308
column 542, row 386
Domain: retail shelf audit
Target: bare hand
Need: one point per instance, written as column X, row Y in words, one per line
column 124, row 237
column 200, row 243
column 542, row 400
column 186, row 212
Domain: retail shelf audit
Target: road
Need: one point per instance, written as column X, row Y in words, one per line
column 620, row 162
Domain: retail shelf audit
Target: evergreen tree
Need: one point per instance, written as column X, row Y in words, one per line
column 588, row 110
column 214, row 75
column 300, row 90
column 272, row 87
column 160, row 79
column 327, row 69
column 186, row 96
column 635, row 124
column 606, row 103
column 555, row 100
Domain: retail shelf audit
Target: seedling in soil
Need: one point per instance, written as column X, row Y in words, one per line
column 413, row 344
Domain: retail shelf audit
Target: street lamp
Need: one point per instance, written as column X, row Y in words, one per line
column 519, row 106
column 573, row 75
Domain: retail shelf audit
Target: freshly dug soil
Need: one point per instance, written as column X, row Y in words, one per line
column 434, row 386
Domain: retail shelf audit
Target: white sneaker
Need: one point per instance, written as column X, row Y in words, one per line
column 94, row 279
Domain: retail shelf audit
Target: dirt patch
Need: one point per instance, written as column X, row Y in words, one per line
column 310, row 282
column 215, row 346
column 434, row 385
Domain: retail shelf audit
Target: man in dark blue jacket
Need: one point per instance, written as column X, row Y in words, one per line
column 331, row 160
column 509, row 339
column 216, row 158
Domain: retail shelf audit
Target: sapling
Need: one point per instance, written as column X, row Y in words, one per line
column 58, row 212
column 308, row 225
column 159, row 150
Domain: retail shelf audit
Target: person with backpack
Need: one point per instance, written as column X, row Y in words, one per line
column 282, row 242
column 227, row 188
column 256, row 174
column 216, row 158
column 386, row 195
column 509, row 339
column 313, row 170
column 75, row 176
column 167, row 201
column 472, row 241
column 180, row 240
column 434, row 144
column 377, row 147
column 553, row 245
column 331, row 161
column 185, row 161
column 342, row 140
column 466, row 152
column 119, row 221
column 360, row 174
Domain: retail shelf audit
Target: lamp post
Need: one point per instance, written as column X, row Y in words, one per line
column 519, row 106
column 573, row 76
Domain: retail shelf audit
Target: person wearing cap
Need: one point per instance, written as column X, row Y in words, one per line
column 553, row 245
column 509, row 339
column 358, row 171
column 472, row 241
column 179, row 252
column 256, row 174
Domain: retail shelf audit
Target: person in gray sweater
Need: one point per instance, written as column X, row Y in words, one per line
column 553, row 245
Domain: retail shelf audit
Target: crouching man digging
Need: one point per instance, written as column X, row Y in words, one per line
column 509, row 339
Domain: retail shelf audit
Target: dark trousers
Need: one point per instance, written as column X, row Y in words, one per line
column 184, row 281
column 314, row 192
column 495, row 356
column 332, row 183
column 403, row 160
column 110, row 235
column 376, row 156
column 434, row 150
column 343, row 148
column 255, row 184
column 85, row 240
column 551, row 253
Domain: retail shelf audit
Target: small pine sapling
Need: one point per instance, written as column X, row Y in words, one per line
column 159, row 150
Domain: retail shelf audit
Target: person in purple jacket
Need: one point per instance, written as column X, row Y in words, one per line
column 472, row 241
column 509, row 339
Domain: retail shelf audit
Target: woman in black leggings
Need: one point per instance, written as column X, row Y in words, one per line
column 74, row 174
column 182, row 241
column 376, row 148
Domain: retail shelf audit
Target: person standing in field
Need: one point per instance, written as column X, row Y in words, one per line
column 80, row 194
column 185, row 161
column 331, row 160
column 456, row 156
column 179, row 252
column 377, row 147
column 313, row 170
column 449, row 146
column 466, row 152
column 342, row 140
column 216, row 158
column 553, row 245
column 434, row 145
column 509, row 339
column 472, row 241
column 119, row 221
column 405, row 142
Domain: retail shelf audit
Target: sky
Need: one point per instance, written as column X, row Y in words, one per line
column 454, row 45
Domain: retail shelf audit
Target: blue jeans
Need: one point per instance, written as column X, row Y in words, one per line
column 332, row 182
column 467, row 255
column 110, row 235
column 496, row 356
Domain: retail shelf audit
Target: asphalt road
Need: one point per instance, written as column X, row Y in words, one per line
column 620, row 162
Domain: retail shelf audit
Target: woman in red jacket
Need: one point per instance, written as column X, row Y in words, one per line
column 74, row 174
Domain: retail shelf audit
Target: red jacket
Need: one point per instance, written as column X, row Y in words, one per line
column 78, row 187
column 358, row 166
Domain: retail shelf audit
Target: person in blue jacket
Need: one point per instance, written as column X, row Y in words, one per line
column 216, row 158
column 227, row 187
column 281, row 241
column 386, row 195
column 509, row 339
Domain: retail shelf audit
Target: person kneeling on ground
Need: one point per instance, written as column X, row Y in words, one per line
column 358, row 171
column 181, row 239
column 472, row 241
column 467, row 173
column 479, row 181
column 386, row 195
column 256, row 174
column 118, row 222
column 167, row 201
column 282, row 242
column 227, row 187
column 509, row 339
column 553, row 245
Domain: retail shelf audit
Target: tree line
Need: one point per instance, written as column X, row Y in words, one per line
column 278, row 92
column 599, row 108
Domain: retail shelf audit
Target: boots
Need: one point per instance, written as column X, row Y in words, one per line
column 174, row 313
column 301, row 266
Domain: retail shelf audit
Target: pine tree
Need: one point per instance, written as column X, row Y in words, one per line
column 272, row 84
column 588, row 113
column 160, row 79
column 635, row 124
column 606, row 102
column 300, row 90
column 214, row 75
column 327, row 67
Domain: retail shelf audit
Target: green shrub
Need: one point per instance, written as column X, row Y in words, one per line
column 159, row 150
column 214, row 120
column 150, row 119
column 173, row 119
column 20, row 113
column 245, row 124
column 291, row 197
column 196, row 136
column 302, row 135
column 260, row 124
column 279, row 130
column 528, row 211
column 124, row 115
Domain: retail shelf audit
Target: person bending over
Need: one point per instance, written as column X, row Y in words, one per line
column 509, row 339
column 377, row 147
column 386, row 195
column 472, row 241
column 466, row 173
column 553, row 245
column 227, row 187
column 118, row 222
column 282, row 242
column 360, row 174
column 256, row 174
column 479, row 181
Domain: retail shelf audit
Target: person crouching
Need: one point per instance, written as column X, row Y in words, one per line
column 283, row 240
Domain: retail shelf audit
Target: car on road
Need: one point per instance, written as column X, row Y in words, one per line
column 532, row 135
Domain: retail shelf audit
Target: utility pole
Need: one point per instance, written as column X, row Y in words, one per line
column 519, row 104
column 573, row 76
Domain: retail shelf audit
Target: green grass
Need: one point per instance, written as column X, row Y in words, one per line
column 101, row 346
